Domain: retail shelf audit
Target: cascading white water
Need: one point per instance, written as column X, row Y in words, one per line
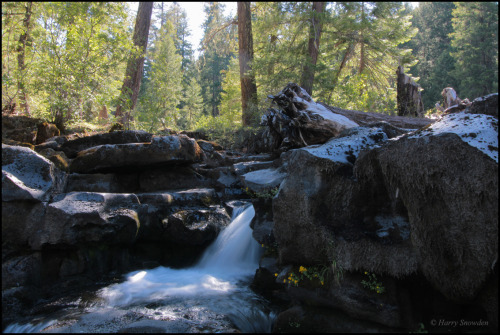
column 216, row 286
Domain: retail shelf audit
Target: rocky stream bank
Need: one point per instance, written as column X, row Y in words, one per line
column 368, row 223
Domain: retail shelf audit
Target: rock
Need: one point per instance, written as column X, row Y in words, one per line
column 485, row 105
column 83, row 217
column 20, row 128
column 357, row 301
column 263, row 180
column 244, row 167
column 19, row 219
column 161, row 151
column 17, row 143
column 72, row 147
column 170, row 179
column 116, row 127
column 440, row 180
column 45, row 131
column 21, row 271
column 57, row 157
column 209, row 146
column 103, row 182
column 195, row 227
column 302, row 319
column 321, row 202
column 28, row 176
column 262, row 223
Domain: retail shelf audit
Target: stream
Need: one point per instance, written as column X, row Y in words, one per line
column 211, row 296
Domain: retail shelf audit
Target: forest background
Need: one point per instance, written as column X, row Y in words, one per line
column 69, row 59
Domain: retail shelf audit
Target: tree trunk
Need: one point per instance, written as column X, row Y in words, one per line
column 23, row 39
column 247, row 80
column 135, row 65
column 270, row 69
column 307, row 79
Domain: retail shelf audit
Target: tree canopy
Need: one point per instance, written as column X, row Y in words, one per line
column 65, row 61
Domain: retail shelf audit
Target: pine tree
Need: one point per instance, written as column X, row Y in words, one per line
column 475, row 41
column 163, row 89
column 216, row 55
column 193, row 105
column 363, row 49
column 432, row 47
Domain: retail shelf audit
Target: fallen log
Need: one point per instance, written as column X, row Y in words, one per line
column 294, row 120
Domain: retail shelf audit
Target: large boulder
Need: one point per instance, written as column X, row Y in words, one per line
column 171, row 179
column 27, row 175
column 45, row 131
column 73, row 147
column 161, row 151
column 446, row 178
column 485, row 105
column 424, row 201
column 195, row 227
column 80, row 218
column 317, row 210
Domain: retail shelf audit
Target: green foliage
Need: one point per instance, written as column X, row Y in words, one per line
column 359, row 51
column 432, row 46
column 475, row 43
column 266, row 194
column 218, row 46
column 74, row 59
column 313, row 273
column 421, row 329
column 162, row 93
column 372, row 283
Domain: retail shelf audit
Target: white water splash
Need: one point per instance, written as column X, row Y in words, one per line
column 185, row 300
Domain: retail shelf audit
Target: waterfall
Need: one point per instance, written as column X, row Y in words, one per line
column 195, row 299
column 234, row 251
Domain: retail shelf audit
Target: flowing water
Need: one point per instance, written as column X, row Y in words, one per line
column 212, row 296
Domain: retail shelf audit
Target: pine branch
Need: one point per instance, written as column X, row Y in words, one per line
column 215, row 32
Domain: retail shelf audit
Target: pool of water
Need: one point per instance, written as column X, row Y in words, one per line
column 212, row 296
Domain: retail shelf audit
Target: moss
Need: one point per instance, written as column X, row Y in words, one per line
column 207, row 201
column 116, row 127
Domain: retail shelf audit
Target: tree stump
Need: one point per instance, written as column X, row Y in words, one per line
column 408, row 96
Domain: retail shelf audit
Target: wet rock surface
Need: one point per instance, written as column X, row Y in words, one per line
column 376, row 227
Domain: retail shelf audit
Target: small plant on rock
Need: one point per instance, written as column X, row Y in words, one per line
column 372, row 283
column 266, row 194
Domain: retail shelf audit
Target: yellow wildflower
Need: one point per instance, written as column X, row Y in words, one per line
column 302, row 269
column 366, row 273
column 276, row 275
column 322, row 283
column 284, row 280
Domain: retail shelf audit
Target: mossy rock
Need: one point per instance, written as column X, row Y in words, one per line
column 116, row 127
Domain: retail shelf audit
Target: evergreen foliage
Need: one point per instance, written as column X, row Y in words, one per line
column 475, row 44
column 67, row 60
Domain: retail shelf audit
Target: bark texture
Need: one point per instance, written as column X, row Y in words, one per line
column 245, row 39
column 313, row 47
column 135, row 65
column 409, row 98
column 23, row 40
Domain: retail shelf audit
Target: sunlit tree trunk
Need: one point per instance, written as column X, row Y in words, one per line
column 135, row 65
column 23, row 39
column 247, row 79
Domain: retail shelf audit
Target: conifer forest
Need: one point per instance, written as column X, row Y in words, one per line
column 96, row 63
